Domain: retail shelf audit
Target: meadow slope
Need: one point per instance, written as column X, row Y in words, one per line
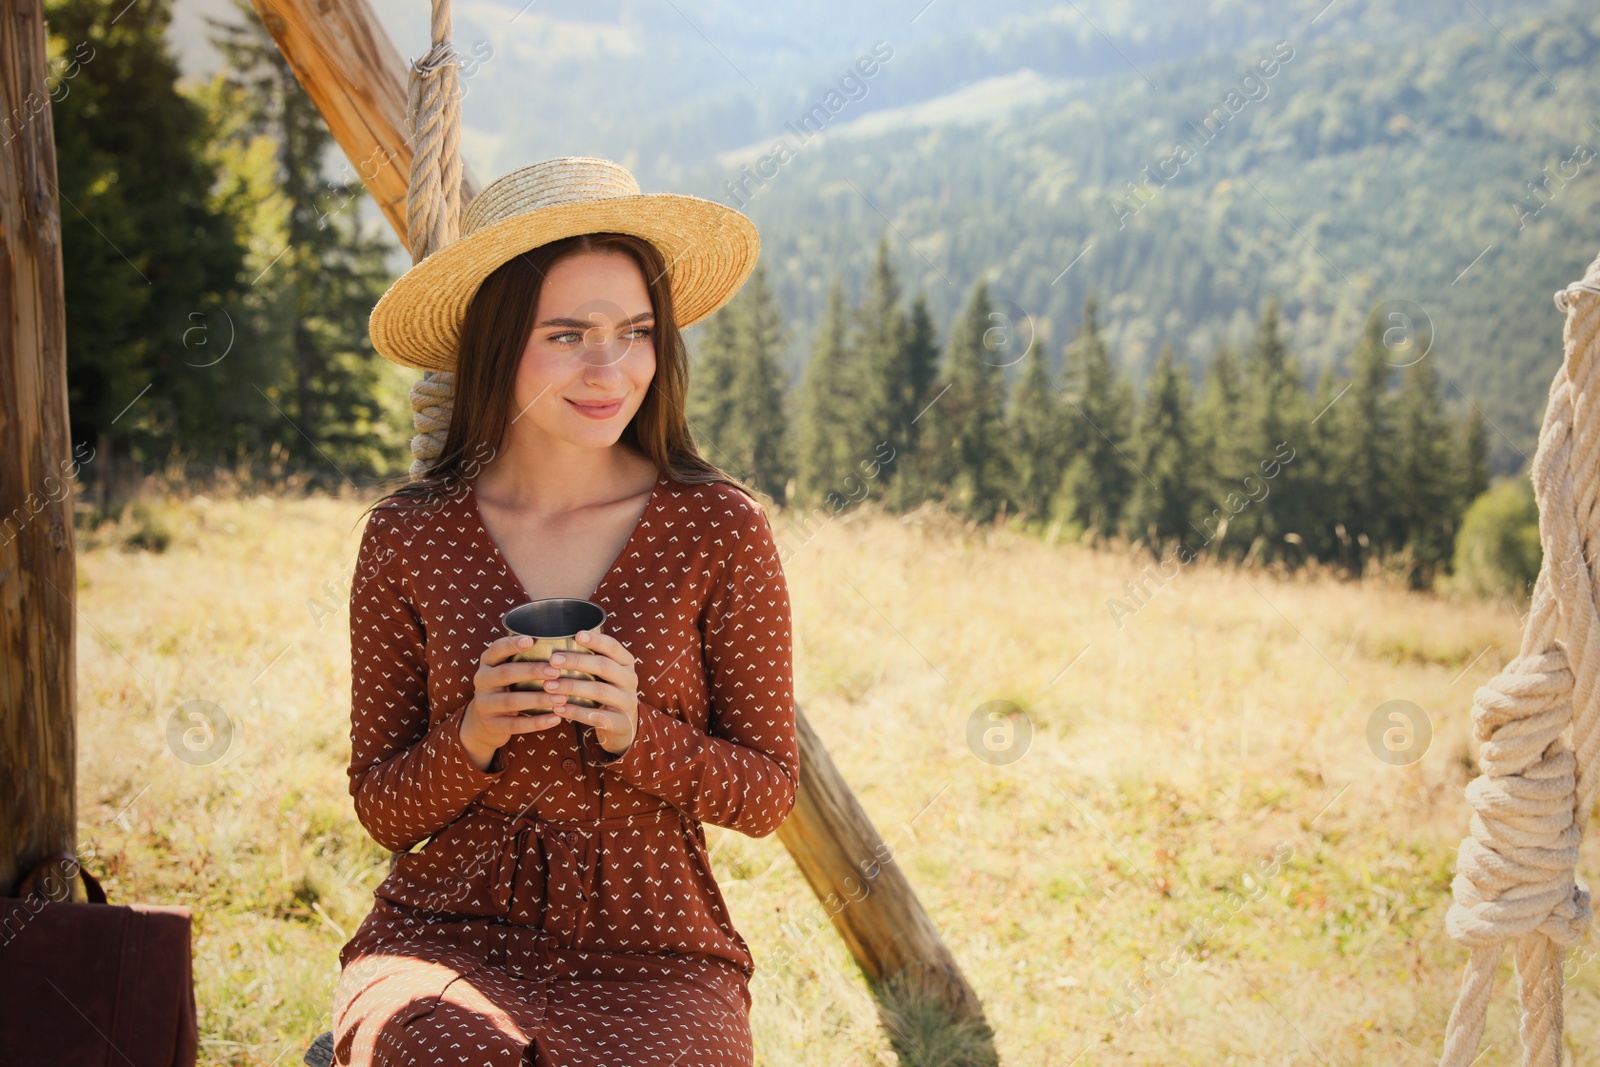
column 1221, row 725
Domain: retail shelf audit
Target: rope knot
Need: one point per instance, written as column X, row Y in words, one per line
column 1516, row 873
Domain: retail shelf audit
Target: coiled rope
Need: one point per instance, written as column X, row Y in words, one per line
column 433, row 208
column 1516, row 871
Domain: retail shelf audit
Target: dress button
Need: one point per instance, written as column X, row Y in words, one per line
column 569, row 764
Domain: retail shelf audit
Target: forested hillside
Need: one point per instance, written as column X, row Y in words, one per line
column 1430, row 156
column 1419, row 153
column 1298, row 203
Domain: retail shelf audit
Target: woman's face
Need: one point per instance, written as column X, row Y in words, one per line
column 592, row 352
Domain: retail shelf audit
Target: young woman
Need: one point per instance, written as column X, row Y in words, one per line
column 561, row 908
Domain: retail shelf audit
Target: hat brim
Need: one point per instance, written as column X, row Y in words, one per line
column 709, row 249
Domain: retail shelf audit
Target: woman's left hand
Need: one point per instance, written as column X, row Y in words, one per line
column 615, row 687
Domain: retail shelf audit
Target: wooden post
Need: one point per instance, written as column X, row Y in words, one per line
column 345, row 61
column 38, row 578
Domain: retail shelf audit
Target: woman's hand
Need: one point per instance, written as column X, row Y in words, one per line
column 615, row 686
column 495, row 712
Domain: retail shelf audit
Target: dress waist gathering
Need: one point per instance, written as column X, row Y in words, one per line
column 570, row 849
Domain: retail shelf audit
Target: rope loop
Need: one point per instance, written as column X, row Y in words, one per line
column 1564, row 297
column 433, row 208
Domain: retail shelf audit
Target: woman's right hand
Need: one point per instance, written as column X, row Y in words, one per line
column 495, row 712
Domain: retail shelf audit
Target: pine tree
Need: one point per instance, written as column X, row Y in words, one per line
column 1320, row 538
column 971, row 463
column 1425, row 476
column 1471, row 452
column 150, row 261
column 922, row 359
column 1166, row 494
column 911, row 481
column 1363, row 453
column 713, row 368
column 1274, row 496
column 882, row 386
column 1038, row 434
column 1222, row 462
column 1098, row 476
column 823, row 460
column 758, row 431
column 316, row 297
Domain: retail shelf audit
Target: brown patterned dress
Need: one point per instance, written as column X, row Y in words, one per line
column 562, row 910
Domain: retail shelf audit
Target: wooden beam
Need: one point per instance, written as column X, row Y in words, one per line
column 855, row 874
column 343, row 57
column 38, row 576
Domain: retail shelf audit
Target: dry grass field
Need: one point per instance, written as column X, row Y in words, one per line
column 1204, row 762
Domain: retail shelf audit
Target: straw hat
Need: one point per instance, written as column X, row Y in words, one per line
column 709, row 249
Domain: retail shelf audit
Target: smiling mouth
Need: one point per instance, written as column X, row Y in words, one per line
column 598, row 410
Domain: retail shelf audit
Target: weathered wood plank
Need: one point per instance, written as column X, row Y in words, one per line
column 856, row 876
column 38, row 576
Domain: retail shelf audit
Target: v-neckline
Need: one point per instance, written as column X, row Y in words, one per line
column 485, row 538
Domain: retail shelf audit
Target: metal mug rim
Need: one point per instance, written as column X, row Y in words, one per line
column 505, row 620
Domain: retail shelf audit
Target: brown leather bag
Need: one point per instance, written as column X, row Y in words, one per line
column 95, row 983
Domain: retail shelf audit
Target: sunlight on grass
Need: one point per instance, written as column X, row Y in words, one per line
column 1197, row 860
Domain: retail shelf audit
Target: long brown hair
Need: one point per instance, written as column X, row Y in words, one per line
column 494, row 334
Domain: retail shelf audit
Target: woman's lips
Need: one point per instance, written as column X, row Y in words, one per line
column 598, row 411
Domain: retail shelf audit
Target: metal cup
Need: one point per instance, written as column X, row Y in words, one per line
column 551, row 623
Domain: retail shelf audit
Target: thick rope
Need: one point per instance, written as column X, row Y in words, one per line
column 433, row 208
column 1516, row 873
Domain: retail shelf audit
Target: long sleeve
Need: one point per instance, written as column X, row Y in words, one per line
column 408, row 780
column 741, row 772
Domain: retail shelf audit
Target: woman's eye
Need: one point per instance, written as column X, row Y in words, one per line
column 572, row 337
